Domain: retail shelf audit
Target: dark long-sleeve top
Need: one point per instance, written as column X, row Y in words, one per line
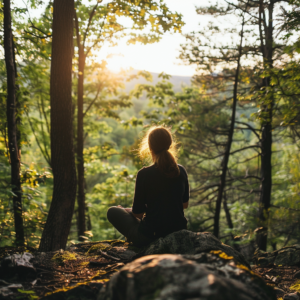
column 161, row 199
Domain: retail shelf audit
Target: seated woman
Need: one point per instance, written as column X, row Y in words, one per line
column 161, row 193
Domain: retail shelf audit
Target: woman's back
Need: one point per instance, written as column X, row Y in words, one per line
column 161, row 192
column 161, row 198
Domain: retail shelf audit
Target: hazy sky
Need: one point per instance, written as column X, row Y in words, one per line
column 161, row 56
column 158, row 57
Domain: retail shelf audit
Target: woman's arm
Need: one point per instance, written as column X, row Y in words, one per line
column 185, row 205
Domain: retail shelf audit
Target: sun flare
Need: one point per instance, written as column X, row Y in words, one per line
column 118, row 62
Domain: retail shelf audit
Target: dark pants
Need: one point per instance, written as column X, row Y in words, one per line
column 127, row 224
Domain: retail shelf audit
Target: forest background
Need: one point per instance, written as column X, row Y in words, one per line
column 235, row 120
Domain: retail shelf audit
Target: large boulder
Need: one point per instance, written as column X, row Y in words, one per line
column 188, row 242
column 175, row 277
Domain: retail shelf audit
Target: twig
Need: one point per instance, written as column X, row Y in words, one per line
column 108, row 256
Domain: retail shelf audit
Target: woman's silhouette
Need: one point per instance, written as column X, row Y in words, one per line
column 161, row 193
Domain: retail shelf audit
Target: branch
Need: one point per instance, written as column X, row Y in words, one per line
column 89, row 23
column 98, row 91
column 250, row 127
column 245, row 148
column 38, row 142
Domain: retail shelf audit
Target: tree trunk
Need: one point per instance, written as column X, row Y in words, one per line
column 227, row 213
column 266, row 139
column 229, row 142
column 58, row 223
column 80, row 161
column 12, row 124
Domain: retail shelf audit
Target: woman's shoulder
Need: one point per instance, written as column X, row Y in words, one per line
column 182, row 170
column 146, row 169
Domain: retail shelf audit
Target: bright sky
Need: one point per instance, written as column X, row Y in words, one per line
column 161, row 56
column 158, row 57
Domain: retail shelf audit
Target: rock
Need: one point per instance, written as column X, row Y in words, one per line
column 288, row 256
column 292, row 296
column 188, row 242
column 279, row 292
column 124, row 253
column 175, row 277
column 9, row 290
column 265, row 261
column 18, row 264
column 247, row 250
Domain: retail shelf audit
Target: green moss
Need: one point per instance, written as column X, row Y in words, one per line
column 99, row 246
column 68, row 288
column 28, row 295
column 61, row 257
column 295, row 286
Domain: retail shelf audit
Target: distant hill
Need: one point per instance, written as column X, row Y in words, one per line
column 177, row 81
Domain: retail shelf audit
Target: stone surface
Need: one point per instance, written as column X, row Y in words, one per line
column 292, row 296
column 195, row 277
column 18, row 264
column 9, row 290
column 188, row 242
column 287, row 256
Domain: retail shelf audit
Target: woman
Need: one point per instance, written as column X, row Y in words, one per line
column 161, row 193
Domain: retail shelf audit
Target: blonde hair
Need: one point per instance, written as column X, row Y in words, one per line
column 159, row 146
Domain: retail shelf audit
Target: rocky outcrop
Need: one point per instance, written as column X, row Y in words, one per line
column 188, row 242
column 17, row 264
column 174, row 277
column 287, row 256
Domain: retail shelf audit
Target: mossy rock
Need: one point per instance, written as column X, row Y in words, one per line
column 63, row 256
column 100, row 246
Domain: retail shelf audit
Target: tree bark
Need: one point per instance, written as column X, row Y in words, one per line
column 81, row 224
column 227, row 213
column 266, row 139
column 80, row 141
column 58, row 223
column 12, row 124
column 229, row 142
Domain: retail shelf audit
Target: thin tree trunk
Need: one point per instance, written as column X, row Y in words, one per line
column 227, row 213
column 266, row 139
column 229, row 142
column 12, row 124
column 80, row 162
column 59, row 219
column 80, row 140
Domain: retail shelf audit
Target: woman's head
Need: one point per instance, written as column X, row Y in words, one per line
column 159, row 145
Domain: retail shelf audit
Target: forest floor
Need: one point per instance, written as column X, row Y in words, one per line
column 86, row 266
